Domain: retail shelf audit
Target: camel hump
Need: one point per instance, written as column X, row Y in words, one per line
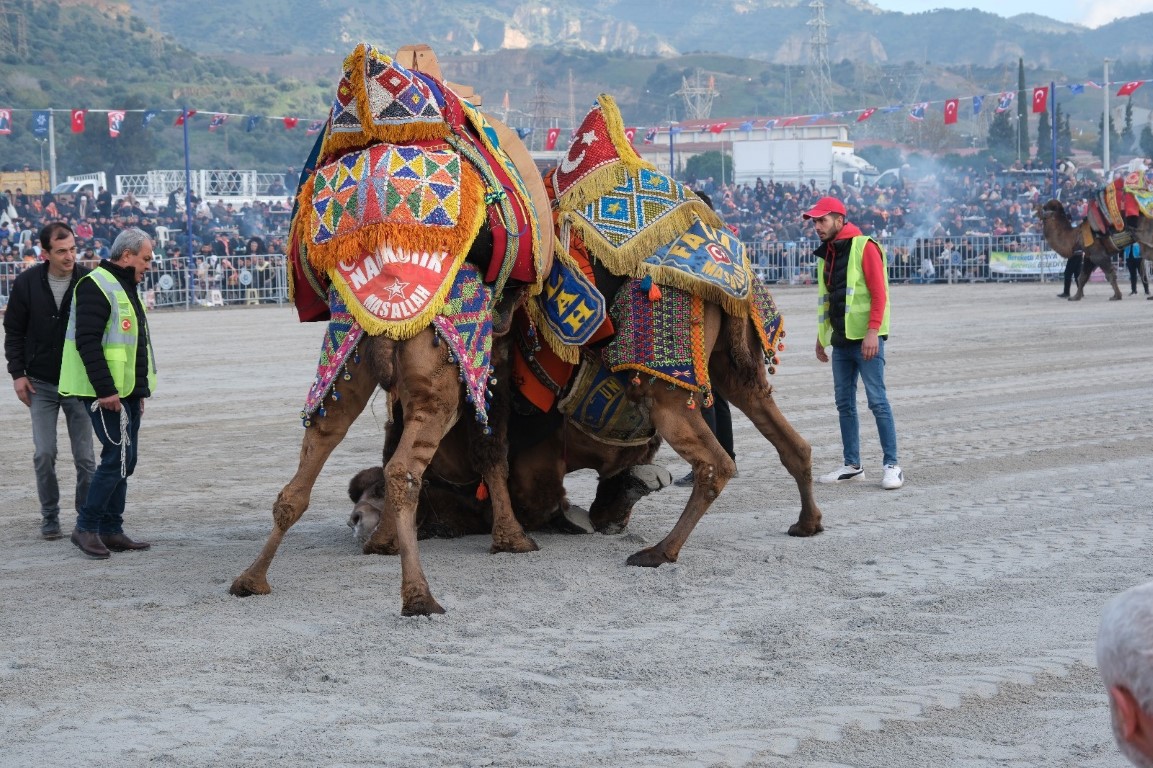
column 421, row 58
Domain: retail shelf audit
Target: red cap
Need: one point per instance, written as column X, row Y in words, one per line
column 825, row 206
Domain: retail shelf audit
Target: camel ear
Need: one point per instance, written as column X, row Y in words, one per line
column 363, row 480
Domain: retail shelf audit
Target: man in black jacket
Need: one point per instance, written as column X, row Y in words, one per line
column 34, row 326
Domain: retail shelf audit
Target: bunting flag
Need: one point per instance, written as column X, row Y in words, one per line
column 290, row 123
column 951, row 106
column 5, row 122
column 866, row 114
column 1129, row 87
column 718, row 127
column 771, row 123
column 523, row 132
column 747, row 126
column 115, row 122
column 78, row 120
column 1076, row 88
column 40, row 120
column 250, row 124
column 977, row 102
column 184, row 114
column 630, row 134
column 315, row 127
column 550, row 138
column 217, row 120
column 815, row 118
column 790, row 121
column 1092, row 84
column 1041, row 99
column 1004, row 101
column 651, row 136
column 149, row 116
column 918, row 111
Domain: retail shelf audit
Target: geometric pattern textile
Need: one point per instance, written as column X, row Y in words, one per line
column 386, row 184
column 340, row 342
column 597, row 404
column 662, row 338
column 465, row 324
column 393, row 95
column 768, row 322
column 641, row 201
column 708, row 254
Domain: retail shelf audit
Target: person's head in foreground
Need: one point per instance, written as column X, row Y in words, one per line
column 1125, row 659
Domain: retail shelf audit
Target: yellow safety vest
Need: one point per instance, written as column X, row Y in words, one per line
column 858, row 300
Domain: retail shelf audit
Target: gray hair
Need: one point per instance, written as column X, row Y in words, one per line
column 1125, row 643
column 131, row 239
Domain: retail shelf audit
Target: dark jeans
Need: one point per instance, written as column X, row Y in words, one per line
column 1072, row 270
column 103, row 510
column 1136, row 269
column 720, row 421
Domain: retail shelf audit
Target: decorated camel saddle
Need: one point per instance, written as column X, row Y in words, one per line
column 414, row 210
column 1126, row 196
column 638, row 255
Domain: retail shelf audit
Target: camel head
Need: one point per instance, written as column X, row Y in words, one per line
column 366, row 489
column 1049, row 210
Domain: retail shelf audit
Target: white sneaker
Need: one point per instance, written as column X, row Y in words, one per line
column 893, row 478
column 847, row 472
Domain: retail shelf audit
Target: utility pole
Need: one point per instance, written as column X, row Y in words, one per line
column 820, row 73
column 698, row 96
column 1106, row 126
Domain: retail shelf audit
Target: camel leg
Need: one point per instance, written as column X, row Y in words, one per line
column 795, row 453
column 320, row 439
column 686, row 433
column 1111, row 275
column 1082, row 279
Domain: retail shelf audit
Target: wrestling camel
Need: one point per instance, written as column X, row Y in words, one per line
column 1066, row 239
column 397, row 188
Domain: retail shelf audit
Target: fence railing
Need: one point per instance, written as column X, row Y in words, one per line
column 247, row 280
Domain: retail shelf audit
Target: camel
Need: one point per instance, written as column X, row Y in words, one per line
column 412, row 367
column 1065, row 239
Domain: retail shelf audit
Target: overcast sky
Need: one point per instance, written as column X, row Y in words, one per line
column 1091, row 13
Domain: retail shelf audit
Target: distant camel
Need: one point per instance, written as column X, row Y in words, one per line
column 1065, row 239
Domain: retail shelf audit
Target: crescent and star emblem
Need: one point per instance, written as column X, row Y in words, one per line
column 570, row 164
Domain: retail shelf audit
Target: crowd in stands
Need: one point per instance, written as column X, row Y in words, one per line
column 226, row 239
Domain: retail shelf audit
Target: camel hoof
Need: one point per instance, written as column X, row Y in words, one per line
column 380, row 548
column 1115, row 298
column 516, row 545
column 648, row 558
column 1074, row 298
column 801, row 530
column 420, row 605
column 247, row 585
column 614, row 528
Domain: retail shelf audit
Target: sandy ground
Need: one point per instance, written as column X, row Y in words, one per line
column 950, row 623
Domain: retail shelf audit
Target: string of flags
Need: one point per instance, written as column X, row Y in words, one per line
column 79, row 120
column 916, row 112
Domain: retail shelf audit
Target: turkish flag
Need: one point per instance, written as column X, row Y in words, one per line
column 1041, row 99
column 290, row 123
column 631, row 133
column 951, row 106
column 1129, row 87
column 866, row 114
column 718, row 127
column 551, row 137
column 185, row 114
column 78, row 121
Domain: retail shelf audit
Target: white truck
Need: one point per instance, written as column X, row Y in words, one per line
column 800, row 161
column 73, row 186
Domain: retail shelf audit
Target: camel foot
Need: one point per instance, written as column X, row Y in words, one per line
column 802, row 529
column 380, row 547
column 1075, row 298
column 1115, row 298
column 516, row 544
column 420, row 604
column 248, row 584
column 649, row 558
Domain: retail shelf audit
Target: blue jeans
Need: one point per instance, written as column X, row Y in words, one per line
column 103, row 510
column 45, row 411
column 848, row 363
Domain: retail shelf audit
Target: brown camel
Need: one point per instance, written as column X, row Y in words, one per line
column 418, row 374
column 1064, row 238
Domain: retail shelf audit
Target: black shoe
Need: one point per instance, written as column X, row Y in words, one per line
column 50, row 530
column 1062, row 295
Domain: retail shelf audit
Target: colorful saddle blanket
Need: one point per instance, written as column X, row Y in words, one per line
column 597, row 404
column 464, row 324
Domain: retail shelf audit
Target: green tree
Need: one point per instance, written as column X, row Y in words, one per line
column 709, row 164
column 1127, row 134
column 1002, row 138
column 1147, row 141
column 1044, row 137
column 1114, row 139
column 1064, row 135
column 1024, row 101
